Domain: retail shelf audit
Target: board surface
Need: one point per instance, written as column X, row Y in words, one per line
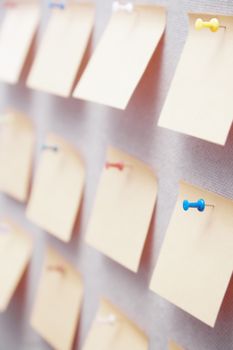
column 92, row 128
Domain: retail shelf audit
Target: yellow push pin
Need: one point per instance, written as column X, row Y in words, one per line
column 212, row 24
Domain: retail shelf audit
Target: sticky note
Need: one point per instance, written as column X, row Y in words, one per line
column 199, row 101
column 57, row 189
column 16, row 34
column 17, row 139
column 123, row 209
column 62, row 48
column 111, row 329
column 122, row 56
column 58, row 302
column 196, row 261
column 15, row 254
column 173, row 346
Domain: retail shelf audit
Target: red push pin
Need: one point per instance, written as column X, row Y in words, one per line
column 9, row 4
column 118, row 165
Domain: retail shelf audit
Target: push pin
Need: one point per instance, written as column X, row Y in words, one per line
column 54, row 4
column 56, row 268
column 119, row 165
column 200, row 205
column 121, row 6
column 212, row 24
column 110, row 319
column 9, row 4
column 53, row 148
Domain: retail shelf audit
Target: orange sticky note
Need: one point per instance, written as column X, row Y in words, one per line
column 17, row 138
column 123, row 209
column 122, row 56
column 58, row 302
column 61, row 51
column 16, row 35
column 199, row 102
column 111, row 329
column 196, row 261
column 57, row 189
column 173, row 346
column 15, row 254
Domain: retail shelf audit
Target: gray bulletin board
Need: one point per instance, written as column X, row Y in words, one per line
column 173, row 156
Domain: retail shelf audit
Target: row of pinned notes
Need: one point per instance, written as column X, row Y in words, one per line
column 59, row 297
column 199, row 101
column 196, row 255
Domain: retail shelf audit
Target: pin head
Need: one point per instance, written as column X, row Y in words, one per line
column 199, row 205
column 58, row 5
column 9, row 4
column 53, row 148
column 213, row 24
column 118, row 165
column 122, row 6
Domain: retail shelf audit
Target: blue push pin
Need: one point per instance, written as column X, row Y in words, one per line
column 53, row 148
column 200, row 205
column 59, row 5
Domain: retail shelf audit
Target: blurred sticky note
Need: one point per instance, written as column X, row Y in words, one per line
column 15, row 254
column 111, row 329
column 16, row 34
column 17, row 138
column 122, row 56
column 61, row 51
column 58, row 302
column 199, row 102
column 57, row 189
column 123, row 209
column 173, row 346
column 196, row 261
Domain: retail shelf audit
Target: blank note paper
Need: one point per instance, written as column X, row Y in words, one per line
column 58, row 187
column 16, row 34
column 122, row 56
column 15, row 254
column 58, row 302
column 61, row 51
column 111, row 329
column 199, row 102
column 123, row 209
column 196, row 261
column 17, row 139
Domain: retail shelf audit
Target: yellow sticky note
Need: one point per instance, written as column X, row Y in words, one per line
column 57, row 189
column 17, row 138
column 173, row 346
column 196, row 261
column 15, row 254
column 199, row 102
column 58, row 302
column 16, row 35
column 62, row 48
column 111, row 329
column 122, row 56
column 123, row 209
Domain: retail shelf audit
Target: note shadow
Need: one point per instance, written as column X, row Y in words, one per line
column 76, row 343
column 84, row 61
column 75, row 242
column 15, row 313
column 141, row 115
column 146, row 263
